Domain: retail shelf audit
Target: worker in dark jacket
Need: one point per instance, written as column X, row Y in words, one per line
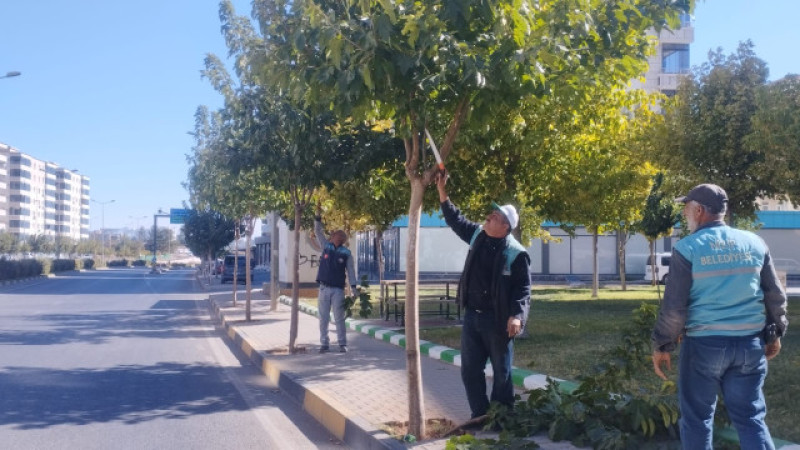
column 495, row 292
column 335, row 260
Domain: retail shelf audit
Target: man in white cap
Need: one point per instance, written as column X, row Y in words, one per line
column 724, row 298
column 494, row 289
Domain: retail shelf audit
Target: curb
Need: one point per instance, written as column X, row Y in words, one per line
column 335, row 417
column 523, row 379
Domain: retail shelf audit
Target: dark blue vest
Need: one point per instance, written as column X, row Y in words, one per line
column 332, row 265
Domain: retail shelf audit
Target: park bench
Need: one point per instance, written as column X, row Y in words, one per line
column 441, row 302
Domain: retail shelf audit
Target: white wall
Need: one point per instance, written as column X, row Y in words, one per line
column 440, row 250
column 309, row 257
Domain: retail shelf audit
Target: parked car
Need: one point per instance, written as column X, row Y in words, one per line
column 227, row 269
column 662, row 267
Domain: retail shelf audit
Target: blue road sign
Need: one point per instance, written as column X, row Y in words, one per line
column 177, row 216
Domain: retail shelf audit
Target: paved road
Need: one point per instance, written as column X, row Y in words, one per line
column 125, row 359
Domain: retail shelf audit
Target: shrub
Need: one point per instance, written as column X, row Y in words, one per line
column 118, row 263
column 60, row 265
column 88, row 263
column 47, row 266
column 24, row 268
column 139, row 263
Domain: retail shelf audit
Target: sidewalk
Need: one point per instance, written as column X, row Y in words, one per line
column 353, row 393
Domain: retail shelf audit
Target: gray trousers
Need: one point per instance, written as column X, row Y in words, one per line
column 331, row 297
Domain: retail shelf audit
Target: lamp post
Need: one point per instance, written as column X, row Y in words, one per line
column 11, row 74
column 103, row 225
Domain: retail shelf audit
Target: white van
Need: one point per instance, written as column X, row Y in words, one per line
column 661, row 266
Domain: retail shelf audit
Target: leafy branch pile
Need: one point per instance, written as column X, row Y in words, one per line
column 610, row 409
column 364, row 303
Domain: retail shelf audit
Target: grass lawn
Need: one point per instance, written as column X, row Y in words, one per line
column 568, row 333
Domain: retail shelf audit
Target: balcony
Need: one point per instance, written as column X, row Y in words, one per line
column 684, row 35
column 669, row 81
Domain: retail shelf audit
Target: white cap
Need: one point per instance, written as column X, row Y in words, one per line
column 510, row 212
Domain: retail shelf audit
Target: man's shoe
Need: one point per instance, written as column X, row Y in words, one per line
column 324, row 349
column 342, row 349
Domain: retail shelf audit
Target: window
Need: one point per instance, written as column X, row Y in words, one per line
column 16, row 198
column 20, row 186
column 19, row 224
column 49, row 193
column 19, row 211
column 21, row 173
column 686, row 19
column 21, row 160
column 675, row 58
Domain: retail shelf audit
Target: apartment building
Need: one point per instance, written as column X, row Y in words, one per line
column 41, row 198
column 670, row 61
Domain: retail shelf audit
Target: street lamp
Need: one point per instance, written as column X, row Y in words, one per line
column 103, row 225
column 11, row 74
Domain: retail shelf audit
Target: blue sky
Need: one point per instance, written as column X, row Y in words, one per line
column 110, row 87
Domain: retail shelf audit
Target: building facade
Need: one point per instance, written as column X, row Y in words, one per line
column 41, row 198
column 669, row 62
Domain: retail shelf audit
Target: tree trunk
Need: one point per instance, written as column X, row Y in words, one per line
column 274, row 264
column 236, row 236
column 211, row 267
column 622, row 239
column 653, row 266
column 416, row 400
column 379, row 251
column 652, row 262
column 595, row 270
column 298, row 213
column 247, row 270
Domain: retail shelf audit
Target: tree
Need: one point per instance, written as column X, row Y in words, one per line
column 660, row 215
column 239, row 190
column 207, row 233
column 707, row 126
column 8, row 243
column 296, row 149
column 776, row 134
column 64, row 246
column 431, row 64
column 163, row 240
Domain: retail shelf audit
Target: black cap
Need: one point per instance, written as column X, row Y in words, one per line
column 711, row 196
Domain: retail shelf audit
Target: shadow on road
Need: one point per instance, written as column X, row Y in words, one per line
column 128, row 394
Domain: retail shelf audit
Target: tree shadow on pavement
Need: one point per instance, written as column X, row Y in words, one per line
column 166, row 319
column 39, row 398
